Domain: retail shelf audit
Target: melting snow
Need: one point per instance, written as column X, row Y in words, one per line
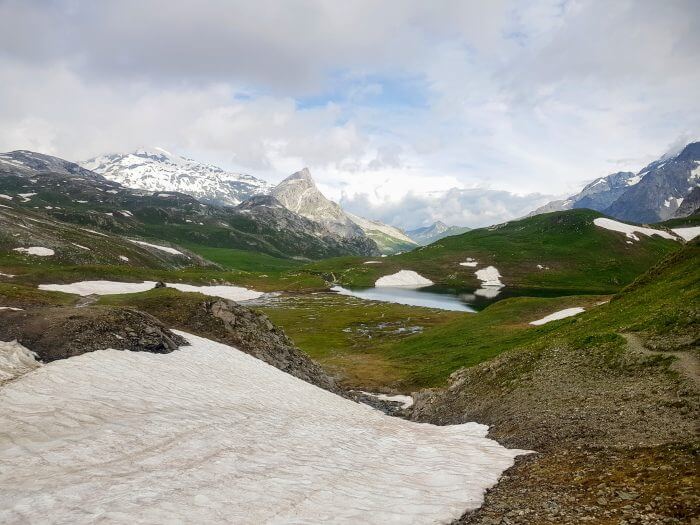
column 3, row 196
column 208, row 434
column 15, row 360
column 8, row 275
column 688, row 233
column 561, row 314
column 372, row 262
column 407, row 278
column 165, row 249
column 488, row 293
column 80, row 246
column 96, row 233
column 472, row 263
column 406, row 401
column 123, row 258
column 36, row 250
column 489, row 276
column 629, row 230
column 234, row 293
column 10, row 308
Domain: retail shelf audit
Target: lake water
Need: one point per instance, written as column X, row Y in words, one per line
column 445, row 298
column 410, row 296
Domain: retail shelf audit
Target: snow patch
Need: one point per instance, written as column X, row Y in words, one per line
column 165, row 249
column 489, row 276
column 488, row 293
column 629, row 230
column 80, row 246
column 470, row 262
column 406, row 401
column 15, row 361
column 688, row 233
column 372, row 262
column 561, row 314
column 36, row 250
column 3, row 196
column 11, row 308
column 209, row 434
column 407, row 278
column 234, row 293
column 123, row 258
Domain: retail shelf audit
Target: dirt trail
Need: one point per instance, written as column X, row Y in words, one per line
column 686, row 363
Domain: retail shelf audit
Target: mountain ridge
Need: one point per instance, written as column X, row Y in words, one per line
column 156, row 169
column 654, row 194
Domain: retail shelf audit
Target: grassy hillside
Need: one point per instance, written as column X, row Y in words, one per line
column 573, row 255
column 610, row 401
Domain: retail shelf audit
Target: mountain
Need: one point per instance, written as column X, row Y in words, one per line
column 575, row 250
column 690, row 205
column 156, row 169
column 663, row 186
column 597, row 195
column 436, row 231
column 299, row 193
column 29, row 163
column 654, row 194
column 388, row 238
column 110, row 209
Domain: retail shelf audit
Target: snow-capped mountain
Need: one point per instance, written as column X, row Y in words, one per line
column 156, row 169
column 436, row 231
column 299, row 194
column 662, row 187
column 654, row 194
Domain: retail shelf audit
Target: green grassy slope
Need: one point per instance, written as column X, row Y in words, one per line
column 579, row 256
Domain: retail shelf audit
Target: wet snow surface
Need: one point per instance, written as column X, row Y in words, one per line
column 234, row 293
column 208, row 434
column 561, row 314
column 407, row 278
column 688, row 233
column 629, row 229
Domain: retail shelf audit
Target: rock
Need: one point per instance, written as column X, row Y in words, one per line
column 61, row 332
column 159, row 284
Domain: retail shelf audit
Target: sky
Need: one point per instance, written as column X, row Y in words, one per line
column 406, row 111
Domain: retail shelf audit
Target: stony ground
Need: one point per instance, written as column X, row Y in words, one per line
column 615, row 431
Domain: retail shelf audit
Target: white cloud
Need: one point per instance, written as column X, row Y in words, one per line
column 384, row 99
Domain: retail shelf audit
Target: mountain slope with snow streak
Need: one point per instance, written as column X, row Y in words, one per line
column 156, row 169
column 209, row 434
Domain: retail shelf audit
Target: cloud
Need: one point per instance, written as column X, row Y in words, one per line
column 378, row 98
column 458, row 207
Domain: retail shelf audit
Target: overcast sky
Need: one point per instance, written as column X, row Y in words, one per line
column 407, row 111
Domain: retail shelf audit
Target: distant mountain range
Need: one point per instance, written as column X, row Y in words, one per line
column 156, row 169
column 436, row 231
column 664, row 189
column 67, row 197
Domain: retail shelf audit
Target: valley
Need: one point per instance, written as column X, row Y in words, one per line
column 523, row 326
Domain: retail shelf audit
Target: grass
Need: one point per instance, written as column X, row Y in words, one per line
column 233, row 259
column 579, row 256
column 360, row 340
column 46, row 271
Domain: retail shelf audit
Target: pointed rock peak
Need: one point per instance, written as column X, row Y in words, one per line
column 304, row 174
column 440, row 225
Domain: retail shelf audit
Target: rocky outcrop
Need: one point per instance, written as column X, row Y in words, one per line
column 61, row 332
column 239, row 326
